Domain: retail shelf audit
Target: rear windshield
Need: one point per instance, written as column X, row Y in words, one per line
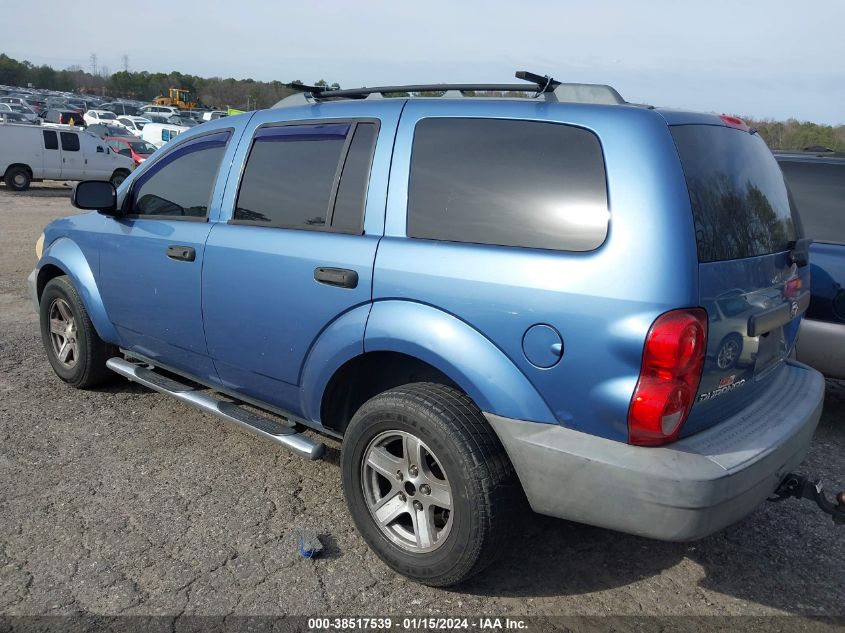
column 739, row 200
column 819, row 192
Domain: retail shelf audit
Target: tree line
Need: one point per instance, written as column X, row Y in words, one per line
column 243, row 94
column 248, row 94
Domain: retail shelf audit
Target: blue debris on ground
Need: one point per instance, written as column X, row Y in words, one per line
column 308, row 542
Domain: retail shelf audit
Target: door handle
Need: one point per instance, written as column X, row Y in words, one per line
column 181, row 253
column 339, row 277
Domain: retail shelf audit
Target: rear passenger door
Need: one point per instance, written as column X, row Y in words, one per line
column 298, row 249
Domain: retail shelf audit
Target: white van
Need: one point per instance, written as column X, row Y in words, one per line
column 33, row 153
column 159, row 133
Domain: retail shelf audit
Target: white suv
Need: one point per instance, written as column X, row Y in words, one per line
column 157, row 109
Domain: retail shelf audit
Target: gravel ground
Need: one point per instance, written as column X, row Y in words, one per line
column 122, row 501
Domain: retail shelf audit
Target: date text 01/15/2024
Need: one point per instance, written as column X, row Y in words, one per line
column 415, row 624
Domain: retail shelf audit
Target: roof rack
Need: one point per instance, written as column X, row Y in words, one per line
column 543, row 86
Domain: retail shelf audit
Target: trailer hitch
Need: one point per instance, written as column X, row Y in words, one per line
column 802, row 488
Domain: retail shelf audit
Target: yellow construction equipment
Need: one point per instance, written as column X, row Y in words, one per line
column 178, row 99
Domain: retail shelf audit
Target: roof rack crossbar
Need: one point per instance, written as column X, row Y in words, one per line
column 320, row 93
column 540, row 85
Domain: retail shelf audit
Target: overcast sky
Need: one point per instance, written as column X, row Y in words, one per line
column 774, row 58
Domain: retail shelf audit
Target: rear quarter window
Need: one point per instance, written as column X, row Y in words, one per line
column 739, row 199
column 507, row 182
column 819, row 192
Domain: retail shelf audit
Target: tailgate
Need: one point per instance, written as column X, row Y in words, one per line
column 752, row 282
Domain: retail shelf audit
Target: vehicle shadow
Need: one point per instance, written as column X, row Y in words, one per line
column 787, row 556
column 53, row 190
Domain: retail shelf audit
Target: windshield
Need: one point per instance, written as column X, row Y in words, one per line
column 739, row 199
column 107, row 115
column 142, row 147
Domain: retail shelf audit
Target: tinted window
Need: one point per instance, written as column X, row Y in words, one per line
column 348, row 216
column 51, row 141
column 739, row 200
column 290, row 173
column 70, row 142
column 513, row 183
column 819, row 192
column 181, row 183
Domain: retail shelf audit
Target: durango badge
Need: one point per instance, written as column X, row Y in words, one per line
column 726, row 384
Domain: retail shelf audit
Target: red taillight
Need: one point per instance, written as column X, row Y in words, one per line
column 673, row 359
column 735, row 121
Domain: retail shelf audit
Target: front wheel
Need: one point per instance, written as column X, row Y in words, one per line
column 75, row 351
column 428, row 483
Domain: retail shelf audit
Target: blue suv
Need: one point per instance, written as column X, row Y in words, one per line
column 817, row 181
column 567, row 298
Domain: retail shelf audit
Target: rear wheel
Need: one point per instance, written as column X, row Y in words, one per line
column 17, row 178
column 75, row 351
column 118, row 177
column 428, row 483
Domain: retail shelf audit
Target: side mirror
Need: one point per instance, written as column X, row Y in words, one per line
column 95, row 195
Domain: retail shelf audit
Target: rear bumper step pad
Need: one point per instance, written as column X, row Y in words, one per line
column 281, row 432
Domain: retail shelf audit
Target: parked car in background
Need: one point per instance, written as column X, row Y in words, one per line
column 160, row 133
column 133, row 147
column 159, row 110
column 134, row 124
column 93, row 117
column 817, row 182
column 184, row 121
column 58, row 103
column 102, row 131
column 31, row 153
column 120, row 108
column 211, row 115
column 79, row 104
column 16, row 117
column 64, row 117
column 26, row 112
column 12, row 99
column 474, row 326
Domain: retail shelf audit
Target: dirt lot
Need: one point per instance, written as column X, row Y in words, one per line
column 122, row 501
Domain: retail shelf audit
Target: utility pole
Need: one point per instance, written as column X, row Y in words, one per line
column 125, row 60
column 92, row 60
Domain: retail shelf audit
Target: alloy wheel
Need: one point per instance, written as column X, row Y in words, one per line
column 63, row 333
column 407, row 491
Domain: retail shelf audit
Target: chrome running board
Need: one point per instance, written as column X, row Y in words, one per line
column 279, row 431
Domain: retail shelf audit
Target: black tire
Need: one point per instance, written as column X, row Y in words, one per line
column 485, row 492
column 89, row 366
column 118, row 177
column 17, row 178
